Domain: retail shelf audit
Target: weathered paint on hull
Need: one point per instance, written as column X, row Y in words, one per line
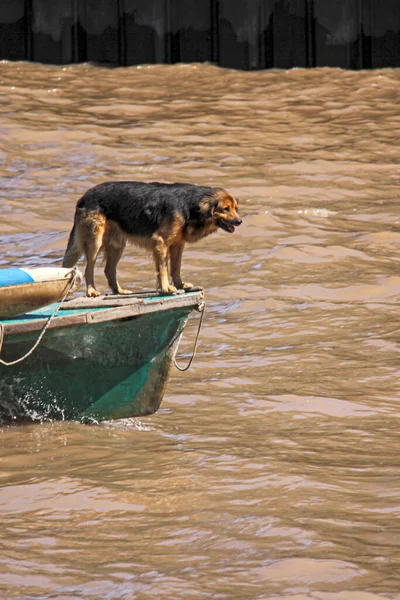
column 101, row 371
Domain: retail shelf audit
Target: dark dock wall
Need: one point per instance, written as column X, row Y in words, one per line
column 247, row 34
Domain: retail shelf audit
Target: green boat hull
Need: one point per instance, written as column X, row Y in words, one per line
column 92, row 371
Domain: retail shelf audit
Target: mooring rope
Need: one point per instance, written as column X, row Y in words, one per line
column 195, row 343
column 44, row 329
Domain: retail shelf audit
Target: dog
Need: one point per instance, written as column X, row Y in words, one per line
column 161, row 217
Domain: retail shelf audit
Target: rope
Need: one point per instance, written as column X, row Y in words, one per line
column 44, row 329
column 195, row 343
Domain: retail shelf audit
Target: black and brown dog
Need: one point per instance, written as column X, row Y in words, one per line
column 157, row 216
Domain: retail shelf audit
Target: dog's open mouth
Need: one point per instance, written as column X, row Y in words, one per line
column 226, row 226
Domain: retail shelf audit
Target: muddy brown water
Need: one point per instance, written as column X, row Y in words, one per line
column 272, row 469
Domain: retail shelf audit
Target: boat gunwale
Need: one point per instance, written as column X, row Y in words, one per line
column 100, row 311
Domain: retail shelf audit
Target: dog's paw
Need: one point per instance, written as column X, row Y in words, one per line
column 92, row 292
column 171, row 289
column 184, row 285
column 123, row 292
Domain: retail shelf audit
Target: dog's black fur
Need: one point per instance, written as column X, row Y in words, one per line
column 140, row 208
column 158, row 216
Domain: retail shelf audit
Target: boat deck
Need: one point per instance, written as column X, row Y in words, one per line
column 80, row 310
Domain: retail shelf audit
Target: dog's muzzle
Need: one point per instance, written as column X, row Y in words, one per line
column 230, row 225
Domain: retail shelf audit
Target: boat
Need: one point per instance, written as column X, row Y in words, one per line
column 23, row 290
column 92, row 359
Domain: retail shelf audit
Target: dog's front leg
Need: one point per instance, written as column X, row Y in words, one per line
column 175, row 254
column 160, row 254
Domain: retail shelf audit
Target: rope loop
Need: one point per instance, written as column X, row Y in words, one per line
column 202, row 309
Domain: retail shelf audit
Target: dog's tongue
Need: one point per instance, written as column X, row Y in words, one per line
column 231, row 228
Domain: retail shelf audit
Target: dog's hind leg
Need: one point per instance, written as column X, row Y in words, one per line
column 112, row 256
column 91, row 228
column 91, row 252
column 175, row 254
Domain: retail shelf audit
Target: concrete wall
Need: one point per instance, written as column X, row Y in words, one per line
column 242, row 34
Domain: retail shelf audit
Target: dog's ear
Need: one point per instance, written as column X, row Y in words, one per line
column 208, row 206
column 213, row 206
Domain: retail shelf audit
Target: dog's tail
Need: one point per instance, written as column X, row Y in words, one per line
column 73, row 251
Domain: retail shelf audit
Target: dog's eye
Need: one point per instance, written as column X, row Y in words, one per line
column 227, row 209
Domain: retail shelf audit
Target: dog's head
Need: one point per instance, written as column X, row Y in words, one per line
column 224, row 210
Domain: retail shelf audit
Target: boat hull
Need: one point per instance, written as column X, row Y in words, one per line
column 92, row 372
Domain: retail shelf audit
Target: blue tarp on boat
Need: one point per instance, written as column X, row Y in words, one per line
column 14, row 276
